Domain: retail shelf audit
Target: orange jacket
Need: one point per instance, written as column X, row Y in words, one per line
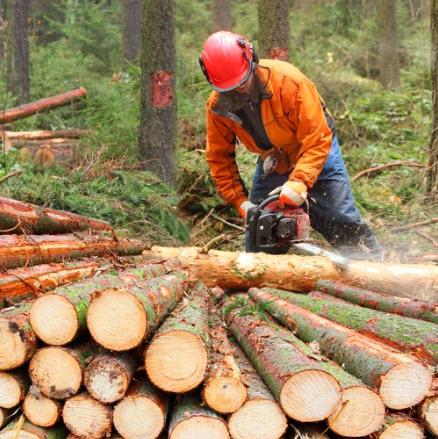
column 294, row 121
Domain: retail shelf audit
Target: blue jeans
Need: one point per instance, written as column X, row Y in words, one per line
column 332, row 209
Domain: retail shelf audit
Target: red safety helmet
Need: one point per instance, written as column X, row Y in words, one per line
column 227, row 60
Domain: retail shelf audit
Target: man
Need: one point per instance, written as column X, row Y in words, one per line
column 277, row 113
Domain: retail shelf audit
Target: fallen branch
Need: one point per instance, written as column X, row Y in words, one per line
column 227, row 222
column 406, row 163
column 426, row 236
column 46, row 134
column 10, row 175
column 413, row 225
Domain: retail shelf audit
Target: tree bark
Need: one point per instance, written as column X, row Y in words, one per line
column 158, row 97
column 41, row 105
column 108, row 376
column 177, row 357
column 86, row 417
column 432, row 171
column 305, row 391
column 429, row 414
column 143, row 411
column 17, row 339
column 131, row 30
column 240, row 271
column 19, row 217
column 18, row 74
column 416, row 309
column 27, row 250
column 190, row 419
column 389, row 64
column 393, row 374
column 273, row 16
column 13, row 388
column 222, row 19
column 31, row 431
column 223, row 391
column 3, row 30
column 260, row 403
column 40, row 410
column 59, row 317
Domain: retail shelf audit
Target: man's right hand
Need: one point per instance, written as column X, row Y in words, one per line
column 244, row 207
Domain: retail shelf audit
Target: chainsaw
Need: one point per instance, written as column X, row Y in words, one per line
column 273, row 228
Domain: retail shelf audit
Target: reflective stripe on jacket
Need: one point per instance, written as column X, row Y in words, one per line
column 294, row 121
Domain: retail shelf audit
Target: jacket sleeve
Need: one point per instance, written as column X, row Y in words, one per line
column 313, row 134
column 221, row 157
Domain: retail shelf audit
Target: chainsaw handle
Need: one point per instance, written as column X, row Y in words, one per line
column 276, row 197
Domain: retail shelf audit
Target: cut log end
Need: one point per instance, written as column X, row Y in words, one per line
column 176, row 361
column 54, row 319
column 56, row 372
column 271, row 421
column 14, row 351
column 40, row 410
column 139, row 417
column 86, row 417
column 117, row 320
column 225, row 394
column 403, row 429
column 361, row 413
column 10, row 391
column 429, row 414
column 405, row 385
column 21, row 435
column 200, row 427
column 310, row 396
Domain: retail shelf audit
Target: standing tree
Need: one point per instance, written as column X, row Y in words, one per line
column 274, row 29
column 432, row 173
column 389, row 65
column 131, row 29
column 158, row 100
column 222, row 15
column 415, row 9
column 2, row 29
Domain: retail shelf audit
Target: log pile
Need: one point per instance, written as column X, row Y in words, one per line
column 149, row 350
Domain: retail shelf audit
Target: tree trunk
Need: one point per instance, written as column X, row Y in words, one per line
column 416, row 309
column 400, row 426
column 40, row 410
column 432, row 172
column 23, row 283
column 176, row 359
column 30, row 431
column 409, row 335
column 19, row 217
column 429, row 414
column 305, row 391
column 142, row 412
column 58, row 371
column 389, row 65
column 17, row 339
column 401, row 381
column 190, row 419
column 120, row 321
column 222, row 15
column 274, row 36
column 86, row 417
column 131, row 30
column 158, row 97
column 13, row 388
column 41, row 105
column 415, row 9
column 18, row 77
column 241, row 271
column 3, row 30
column 260, row 404
column 108, row 376
column 59, row 317
column 27, row 250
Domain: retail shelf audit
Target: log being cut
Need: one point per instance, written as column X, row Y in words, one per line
column 20, row 250
column 401, row 381
column 241, row 271
column 19, row 217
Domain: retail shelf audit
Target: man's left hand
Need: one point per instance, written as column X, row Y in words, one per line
column 292, row 193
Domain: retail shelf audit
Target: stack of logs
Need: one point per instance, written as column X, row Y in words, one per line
column 45, row 147
column 148, row 346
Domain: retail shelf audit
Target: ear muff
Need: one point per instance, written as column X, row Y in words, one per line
column 247, row 45
column 204, row 70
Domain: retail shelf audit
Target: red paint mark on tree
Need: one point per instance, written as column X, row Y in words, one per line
column 278, row 53
column 162, row 89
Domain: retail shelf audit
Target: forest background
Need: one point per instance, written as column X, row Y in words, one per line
column 336, row 43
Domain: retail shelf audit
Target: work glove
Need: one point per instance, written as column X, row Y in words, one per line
column 244, row 207
column 292, row 193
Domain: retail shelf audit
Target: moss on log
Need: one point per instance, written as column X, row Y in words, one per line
column 404, row 306
column 177, row 357
column 401, row 381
